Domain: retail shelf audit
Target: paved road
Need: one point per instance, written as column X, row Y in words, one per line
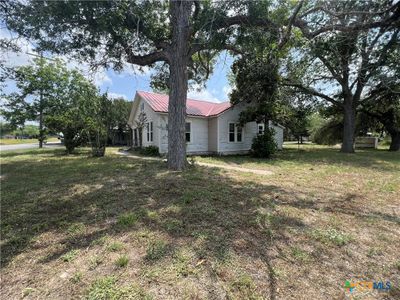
column 27, row 146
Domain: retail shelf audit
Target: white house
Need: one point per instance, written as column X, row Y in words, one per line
column 211, row 128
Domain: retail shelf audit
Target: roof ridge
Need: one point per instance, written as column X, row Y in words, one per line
column 187, row 98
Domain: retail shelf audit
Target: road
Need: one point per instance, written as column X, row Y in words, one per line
column 27, row 146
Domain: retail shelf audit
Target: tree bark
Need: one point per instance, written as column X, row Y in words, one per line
column 178, row 61
column 395, row 143
column 349, row 120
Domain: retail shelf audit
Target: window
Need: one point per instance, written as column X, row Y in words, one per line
column 149, row 127
column 188, row 127
column 260, row 128
column 235, row 133
column 142, row 106
column 238, row 134
column 231, row 132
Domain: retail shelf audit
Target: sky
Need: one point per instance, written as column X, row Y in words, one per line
column 127, row 82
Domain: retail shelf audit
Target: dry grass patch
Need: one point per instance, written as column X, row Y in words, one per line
column 113, row 227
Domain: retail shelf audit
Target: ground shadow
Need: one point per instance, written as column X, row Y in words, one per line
column 82, row 200
column 368, row 158
column 57, row 193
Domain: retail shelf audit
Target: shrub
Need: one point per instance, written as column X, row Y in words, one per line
column 127, row 220
column 264, row 145
column 156, row 250
column 331, row 236
column 330, row 133
column 149, row 151
column 115, row 246
column 70, row 256
column 122, row 261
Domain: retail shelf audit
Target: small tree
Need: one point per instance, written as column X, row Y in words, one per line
column 97, row 121
column 80, row 114
column 118, row 116
column 39, row 86
column 140, row 124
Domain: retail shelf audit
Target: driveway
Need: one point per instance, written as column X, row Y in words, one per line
column 28, row 146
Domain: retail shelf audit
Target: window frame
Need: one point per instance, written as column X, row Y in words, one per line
column 149, row 131
column 235, row 132
column 258, row 128
column 190, row 132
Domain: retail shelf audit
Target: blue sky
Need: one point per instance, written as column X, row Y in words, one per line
column 127, row 82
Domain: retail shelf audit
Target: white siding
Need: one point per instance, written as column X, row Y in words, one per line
column 199, row 134
column 213, row 134
column 151, row 117
column 278, row 135
column 249, row 132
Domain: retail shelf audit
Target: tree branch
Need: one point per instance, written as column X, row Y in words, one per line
column 391, row 21
column 311, row 91
column 144, row 60
column 292, row 19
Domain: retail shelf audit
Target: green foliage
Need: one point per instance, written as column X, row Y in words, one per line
column 256, row 83
column 5, row 128
column 106, row 289
column 77, row 277
column 39, row 87
column 330, row 133
column 80, row 114
column 97, row 122
column 31, row 131
column 122, row 261
column 331, row 236
column 103, row 288
column 264, row 145
column 300, row 254
column 127, row 220
column 150, row 151
column 315, row 122
column 115, row 246
column 298, row 121
column 156, row 250
column 70, row 256
column 118, row 115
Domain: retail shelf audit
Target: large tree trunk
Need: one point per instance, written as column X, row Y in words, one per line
column 395, row 143
column 180, row 14
column 349, row 120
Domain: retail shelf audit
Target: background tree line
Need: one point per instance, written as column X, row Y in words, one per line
column 335, row 51
column 63, row 101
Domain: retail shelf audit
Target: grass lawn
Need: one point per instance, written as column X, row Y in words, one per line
column 24, row 141
column 77, row 227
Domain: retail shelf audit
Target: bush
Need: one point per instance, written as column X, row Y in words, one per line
column 149, row 151
column 330, row 133
column 264, row 145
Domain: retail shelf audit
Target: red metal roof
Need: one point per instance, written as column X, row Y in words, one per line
column 159, row 103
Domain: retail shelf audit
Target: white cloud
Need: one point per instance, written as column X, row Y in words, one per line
column 227, row 89
column 135, row 70
column 199, row 93
column 12, row 58
column 23, row 57
column 117, row 95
